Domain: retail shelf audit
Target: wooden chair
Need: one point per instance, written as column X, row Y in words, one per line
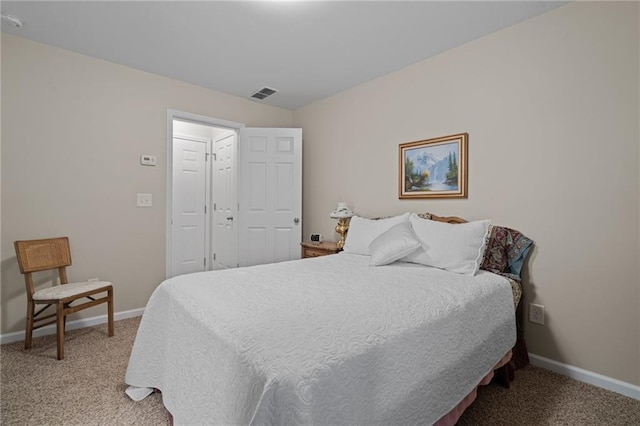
column 49, row 254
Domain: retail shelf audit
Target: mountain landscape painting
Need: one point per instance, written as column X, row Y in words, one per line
column 434, row 168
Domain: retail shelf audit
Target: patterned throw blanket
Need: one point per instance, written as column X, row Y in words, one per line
column 506, row 251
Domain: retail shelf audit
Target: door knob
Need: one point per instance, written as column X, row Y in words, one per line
column 230, row 218
column 296, row 220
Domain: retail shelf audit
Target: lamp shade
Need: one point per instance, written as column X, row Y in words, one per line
column 342, row 211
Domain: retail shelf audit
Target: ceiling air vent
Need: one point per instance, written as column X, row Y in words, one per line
column 263, row 93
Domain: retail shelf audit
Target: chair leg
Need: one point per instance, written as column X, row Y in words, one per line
column 110, row 311
column 29, row 329
column 60, row 329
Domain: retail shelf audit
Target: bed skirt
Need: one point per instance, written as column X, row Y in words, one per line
column 452, row 417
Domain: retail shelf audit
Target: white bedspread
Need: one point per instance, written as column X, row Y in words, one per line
column 322, row 341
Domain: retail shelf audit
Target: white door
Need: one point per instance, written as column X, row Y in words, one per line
column 190, row 196
column 224, row 244
column 270, row 195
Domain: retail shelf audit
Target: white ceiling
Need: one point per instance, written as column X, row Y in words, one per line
column 306, row 50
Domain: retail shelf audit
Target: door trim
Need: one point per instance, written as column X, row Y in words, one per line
column 194, row 118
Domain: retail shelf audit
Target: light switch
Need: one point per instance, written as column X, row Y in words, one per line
column 145, row 200
column 148, row 160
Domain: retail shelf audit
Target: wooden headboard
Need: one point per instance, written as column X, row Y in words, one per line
column 447, row 219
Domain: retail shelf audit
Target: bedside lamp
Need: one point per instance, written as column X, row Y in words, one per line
column 343, row 214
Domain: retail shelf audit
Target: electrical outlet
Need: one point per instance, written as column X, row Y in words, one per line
column 93, row 279
column 536, row 313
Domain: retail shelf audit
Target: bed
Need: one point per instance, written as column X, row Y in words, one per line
column 328, row 340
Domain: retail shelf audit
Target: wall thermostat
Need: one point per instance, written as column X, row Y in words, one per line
column 148, row 160
column 316, row 238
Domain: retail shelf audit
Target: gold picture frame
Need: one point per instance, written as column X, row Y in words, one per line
column 433, row 168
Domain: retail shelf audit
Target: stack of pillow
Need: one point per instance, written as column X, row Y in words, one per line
column 458, row 248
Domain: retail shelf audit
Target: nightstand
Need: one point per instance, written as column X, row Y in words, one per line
column 324, row 248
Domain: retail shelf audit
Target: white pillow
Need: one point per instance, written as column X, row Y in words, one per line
column 452, row 247
column 363, row 231
column 393, row 244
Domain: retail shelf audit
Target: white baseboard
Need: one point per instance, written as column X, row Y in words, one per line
column 71, row 325
column 614, row 385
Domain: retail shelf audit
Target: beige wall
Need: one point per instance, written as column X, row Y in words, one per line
column 551, row 108
column 73, row 130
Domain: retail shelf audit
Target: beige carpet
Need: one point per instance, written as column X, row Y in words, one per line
column 87, row 388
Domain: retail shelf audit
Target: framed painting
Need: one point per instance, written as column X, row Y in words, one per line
column 434, row 168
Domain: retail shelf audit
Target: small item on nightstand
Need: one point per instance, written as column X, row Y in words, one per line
column 315, row 238
column 313, row 249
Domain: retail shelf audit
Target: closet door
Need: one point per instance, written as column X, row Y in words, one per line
column 189, row 225
column 225, row 235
